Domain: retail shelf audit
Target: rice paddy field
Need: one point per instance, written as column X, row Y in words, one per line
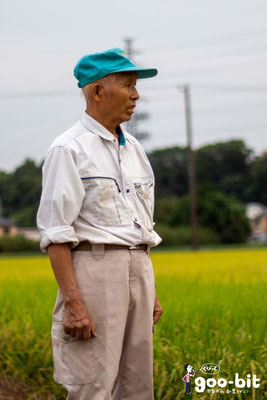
column 214, row 311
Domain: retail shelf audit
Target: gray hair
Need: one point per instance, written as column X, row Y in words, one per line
column 105, row 80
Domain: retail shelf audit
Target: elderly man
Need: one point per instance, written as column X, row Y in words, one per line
column 96, row 223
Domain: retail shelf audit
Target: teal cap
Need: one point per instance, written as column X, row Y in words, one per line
column 94, row 66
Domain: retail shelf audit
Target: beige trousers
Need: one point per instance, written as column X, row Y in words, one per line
column 118, row 289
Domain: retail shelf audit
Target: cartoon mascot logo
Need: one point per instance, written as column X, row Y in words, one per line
column 190, row 372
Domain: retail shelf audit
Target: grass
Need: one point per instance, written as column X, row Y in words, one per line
column 214, row 311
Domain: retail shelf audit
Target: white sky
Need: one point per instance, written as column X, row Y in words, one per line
column 219, row 47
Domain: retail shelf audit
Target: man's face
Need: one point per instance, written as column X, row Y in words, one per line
column 120, row 96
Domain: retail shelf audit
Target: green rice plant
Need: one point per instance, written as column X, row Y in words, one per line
column 213, row 311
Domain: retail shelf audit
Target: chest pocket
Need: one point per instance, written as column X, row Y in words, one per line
column 101, row 201
column 144, row 190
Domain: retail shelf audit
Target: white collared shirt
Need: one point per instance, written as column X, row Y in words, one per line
column 96, row 190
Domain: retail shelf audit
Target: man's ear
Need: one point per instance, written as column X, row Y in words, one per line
column 97, row 91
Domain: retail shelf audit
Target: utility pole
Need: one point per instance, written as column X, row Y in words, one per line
column 132, row 125
column 129, row 47
column 191, row 168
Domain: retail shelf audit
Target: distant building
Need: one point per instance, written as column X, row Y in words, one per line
column 257, row 215
column 8, row 227
column 30, row 233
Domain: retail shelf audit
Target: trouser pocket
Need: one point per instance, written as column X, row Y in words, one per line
column 74, row 360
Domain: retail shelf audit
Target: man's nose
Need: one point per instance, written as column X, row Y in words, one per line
column 135, row 94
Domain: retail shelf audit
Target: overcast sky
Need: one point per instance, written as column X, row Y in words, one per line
column 218, row 47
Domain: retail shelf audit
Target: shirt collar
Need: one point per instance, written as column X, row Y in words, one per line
column 121, row 136
column 94, row 126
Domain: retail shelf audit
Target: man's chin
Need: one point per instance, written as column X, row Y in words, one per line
column 126, row 118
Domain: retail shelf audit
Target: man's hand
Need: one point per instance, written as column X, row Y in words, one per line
column 77, row 322
column 157, row 310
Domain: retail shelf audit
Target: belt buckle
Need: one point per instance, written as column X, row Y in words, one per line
column 134, row 247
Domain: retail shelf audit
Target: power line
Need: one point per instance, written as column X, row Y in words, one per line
column 212, row 111
column 248, row 89
column 38, row 94
column 190, row 58
column 216, row 40
column 227, row 88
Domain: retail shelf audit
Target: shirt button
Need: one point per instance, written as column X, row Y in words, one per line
column 128, row 190
column 135, row 219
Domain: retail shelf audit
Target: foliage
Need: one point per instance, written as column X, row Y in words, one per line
column 223, row 215
column 256, row 187
column 182, row 235
column 228, row 167
column 18, row 243
column 164, row 209
column 20, row 192
column 213, row 311
column 169, row 166
column 25, row 217
column 224, row 166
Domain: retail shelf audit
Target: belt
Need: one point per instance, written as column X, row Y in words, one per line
column 85, row 246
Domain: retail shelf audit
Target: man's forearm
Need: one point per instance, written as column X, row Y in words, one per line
column 61, row 261
column 77, row 321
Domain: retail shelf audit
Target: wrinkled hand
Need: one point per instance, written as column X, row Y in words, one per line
column 77, row 322
column 157, row 310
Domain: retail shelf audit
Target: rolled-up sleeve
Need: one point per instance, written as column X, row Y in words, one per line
column 61, row 198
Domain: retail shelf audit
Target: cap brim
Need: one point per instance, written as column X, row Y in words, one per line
column 142, row 73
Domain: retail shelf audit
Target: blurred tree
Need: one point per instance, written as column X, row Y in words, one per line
column 20, row 192
column 226, row 166
column 164, row 209
column 25, row 217
column 5, row 181
column 224, row 214
column 256, row 188
column 169, row 166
